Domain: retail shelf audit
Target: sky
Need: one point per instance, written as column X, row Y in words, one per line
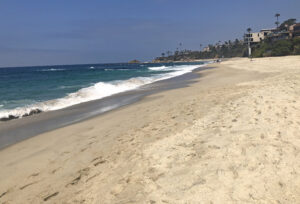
column 49, row 32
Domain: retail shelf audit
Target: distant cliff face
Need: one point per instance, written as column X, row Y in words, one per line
column 134, row 61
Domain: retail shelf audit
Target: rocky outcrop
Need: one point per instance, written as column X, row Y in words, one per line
column 11, row 117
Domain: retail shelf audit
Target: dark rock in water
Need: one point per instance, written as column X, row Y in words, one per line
column 11, row 117
column 32, row 112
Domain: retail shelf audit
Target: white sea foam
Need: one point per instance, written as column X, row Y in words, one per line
column 98, row 91
column 158, row 68
column 69, row 87
column 51, row 70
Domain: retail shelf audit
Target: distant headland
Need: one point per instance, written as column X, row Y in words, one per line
column 135, row 61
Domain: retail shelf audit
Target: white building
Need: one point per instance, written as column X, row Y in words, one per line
column 206, row 49
column 254, row 37
column 258, row 36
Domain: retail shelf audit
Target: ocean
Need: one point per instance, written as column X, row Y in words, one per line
column 29, row 90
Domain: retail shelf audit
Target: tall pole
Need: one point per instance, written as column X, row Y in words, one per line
column 249, row 48
column 249, row 45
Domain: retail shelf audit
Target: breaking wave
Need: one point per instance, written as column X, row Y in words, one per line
column 96, row 91
column 158, row 68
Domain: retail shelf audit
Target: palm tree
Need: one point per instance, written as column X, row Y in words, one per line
column 277, row 24
column 163, row 54
column 200, row 46
column 236, row 42
column 277, row 15
column 277, row 21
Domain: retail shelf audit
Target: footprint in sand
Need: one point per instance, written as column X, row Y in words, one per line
column 3, row 194
column 27, row 185
column 82, row 172
column 94, row 176
column 34, row 175
column 50, row 196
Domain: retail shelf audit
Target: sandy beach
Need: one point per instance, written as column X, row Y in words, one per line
column 232, row 136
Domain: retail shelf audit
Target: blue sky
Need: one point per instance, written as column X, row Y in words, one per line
column 35, row 32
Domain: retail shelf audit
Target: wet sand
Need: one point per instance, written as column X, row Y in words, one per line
column 232, row 136
column 17, row 130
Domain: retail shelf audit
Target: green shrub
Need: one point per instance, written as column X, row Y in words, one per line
column 296, row 43
column 282, row 48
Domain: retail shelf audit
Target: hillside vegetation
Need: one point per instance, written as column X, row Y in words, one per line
column 238, row 48
column 228, row 49
column 278, row 48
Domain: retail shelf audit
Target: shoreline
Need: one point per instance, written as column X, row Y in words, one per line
column 98, row 90
column 17, row 130
column 230, row 136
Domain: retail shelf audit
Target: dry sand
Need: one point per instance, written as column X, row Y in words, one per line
column 231, row 137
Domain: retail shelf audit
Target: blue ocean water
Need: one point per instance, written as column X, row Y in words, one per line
column 46, row 88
